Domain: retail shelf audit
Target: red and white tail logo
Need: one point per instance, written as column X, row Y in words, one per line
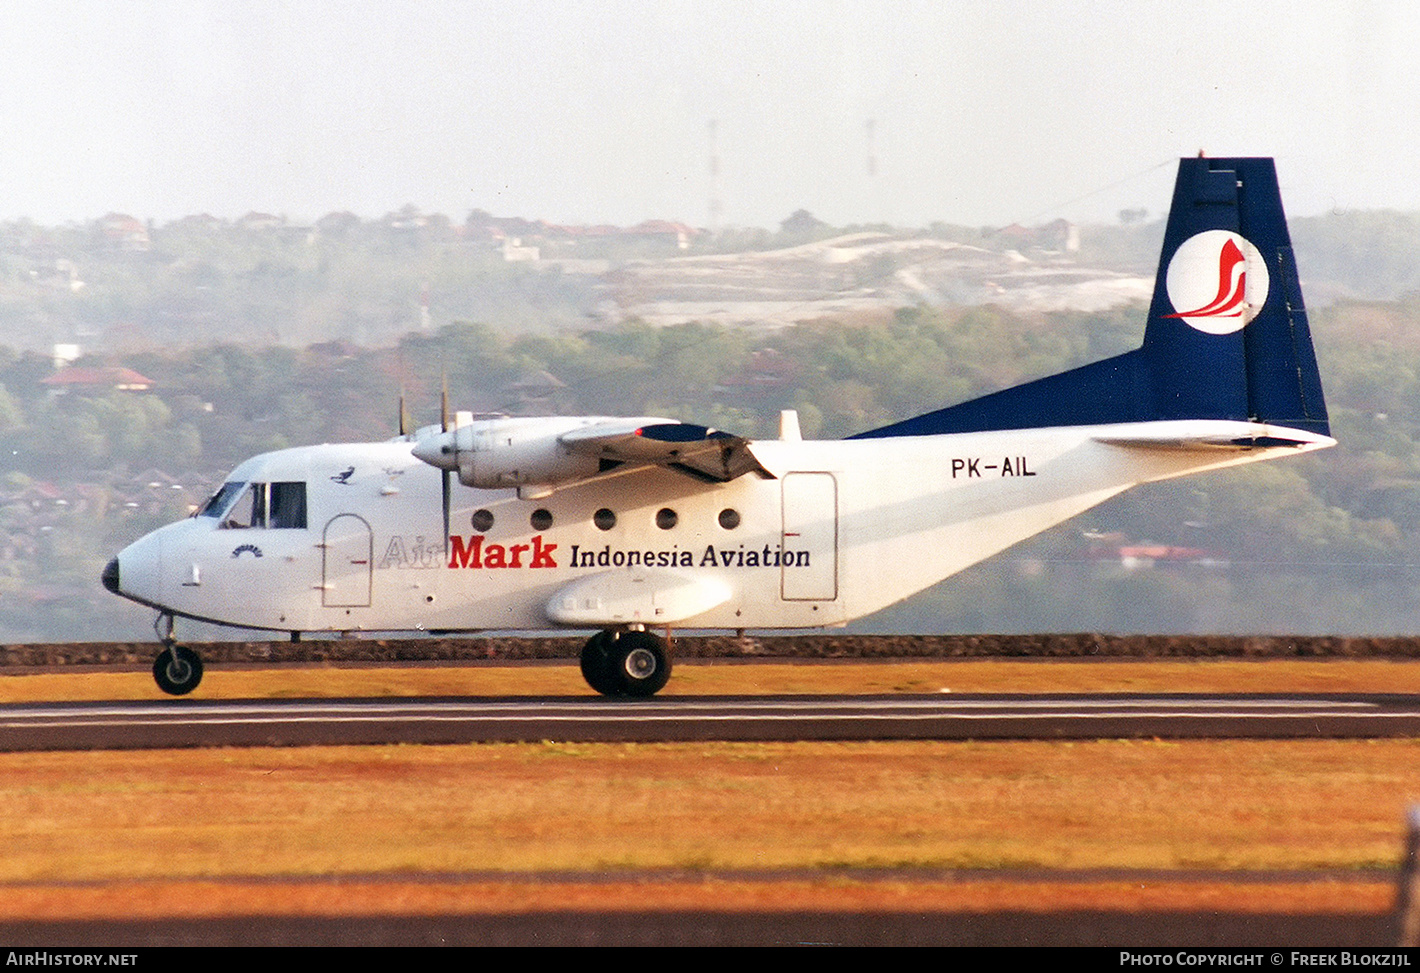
column 1217, row 282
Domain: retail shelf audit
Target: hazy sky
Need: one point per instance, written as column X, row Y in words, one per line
column 983, row 113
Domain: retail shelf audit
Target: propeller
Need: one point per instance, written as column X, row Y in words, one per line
column 439, row 450
column 446, row 472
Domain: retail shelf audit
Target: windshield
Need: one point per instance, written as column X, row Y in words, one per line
column 259, row 505
column 218, row 503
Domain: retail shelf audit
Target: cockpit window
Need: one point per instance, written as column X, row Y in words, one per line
column 218, row 503
column 288, row 505
column 249, row 510
column 259, row 505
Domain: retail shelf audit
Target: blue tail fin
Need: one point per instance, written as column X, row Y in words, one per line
column 1227, row 336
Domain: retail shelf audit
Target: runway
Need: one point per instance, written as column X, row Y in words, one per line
column 304, row 722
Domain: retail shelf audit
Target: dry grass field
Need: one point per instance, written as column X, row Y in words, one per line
column 733, row 678
column 525, row 827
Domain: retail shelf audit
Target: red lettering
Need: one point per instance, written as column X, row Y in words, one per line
column 465, row 556
column 542, row 554
column 471, row 553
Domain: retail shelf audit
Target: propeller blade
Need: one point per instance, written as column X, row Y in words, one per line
column 448, row 486
column 448, row 489
column 403, row 415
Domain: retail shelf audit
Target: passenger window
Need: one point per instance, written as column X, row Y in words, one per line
column 288, row 506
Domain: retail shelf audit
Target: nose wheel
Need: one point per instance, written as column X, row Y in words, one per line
column 633, row 663
column 178, row 669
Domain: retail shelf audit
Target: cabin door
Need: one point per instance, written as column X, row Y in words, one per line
column 347, row 571
column 809, row 564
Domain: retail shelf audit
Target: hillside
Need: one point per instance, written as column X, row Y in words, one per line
column 1323, row 545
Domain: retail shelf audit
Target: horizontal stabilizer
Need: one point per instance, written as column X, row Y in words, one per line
column 1201, row 434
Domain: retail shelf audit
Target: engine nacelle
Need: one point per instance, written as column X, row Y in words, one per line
column 509, row 452
column 502, row 453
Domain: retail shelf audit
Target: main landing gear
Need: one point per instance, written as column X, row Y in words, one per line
column 633, row 663
column 177, row 669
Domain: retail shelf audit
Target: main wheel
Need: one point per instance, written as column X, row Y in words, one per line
column 640, row 665
column 177, row 670
column 596, row 664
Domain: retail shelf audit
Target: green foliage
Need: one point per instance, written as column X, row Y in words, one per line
column 1326, row 543
column 1372, row 253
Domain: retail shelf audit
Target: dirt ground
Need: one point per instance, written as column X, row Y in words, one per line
column 1358, row 895
column 814, row 646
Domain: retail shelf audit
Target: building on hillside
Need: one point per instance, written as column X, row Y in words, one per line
column 258, row 222
column 111, row 378
column 1057, row 235
column 123, row 232
column 662, row 231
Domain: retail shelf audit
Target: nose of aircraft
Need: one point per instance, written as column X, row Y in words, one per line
column 110, row 575
column 137, row 571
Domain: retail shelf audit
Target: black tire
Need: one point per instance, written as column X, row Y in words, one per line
column 596, row 665
column 177, row 670
column 640, row 665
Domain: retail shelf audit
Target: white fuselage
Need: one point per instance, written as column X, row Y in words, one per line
column 841, row 530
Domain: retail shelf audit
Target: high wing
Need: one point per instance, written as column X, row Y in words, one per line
column 706, row 454
column 548, row 452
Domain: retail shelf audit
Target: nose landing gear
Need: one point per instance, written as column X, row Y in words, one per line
column 178, row 669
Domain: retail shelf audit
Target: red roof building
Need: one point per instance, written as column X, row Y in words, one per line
column 79, row 379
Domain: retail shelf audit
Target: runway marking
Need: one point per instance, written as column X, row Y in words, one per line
column 593, row 712
column 603, row 707
column 178, row 723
